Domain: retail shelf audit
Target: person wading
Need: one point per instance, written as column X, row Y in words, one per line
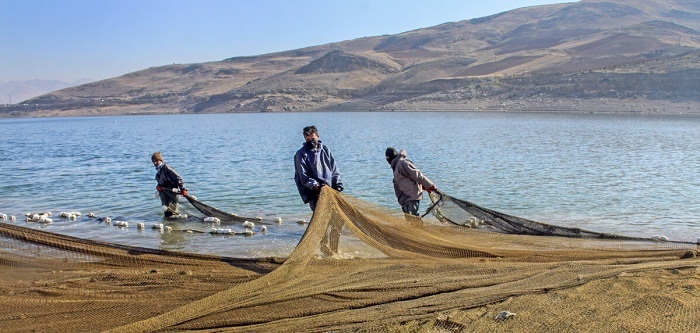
column 315, row 167
column 169, row 185
column 409, row 182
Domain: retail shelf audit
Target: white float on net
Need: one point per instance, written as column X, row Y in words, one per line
column 212, row 219
column 120, row 224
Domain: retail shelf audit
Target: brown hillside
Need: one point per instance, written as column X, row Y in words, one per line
column 468, row 64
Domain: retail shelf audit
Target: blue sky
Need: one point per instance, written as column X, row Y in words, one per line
column 69, row 40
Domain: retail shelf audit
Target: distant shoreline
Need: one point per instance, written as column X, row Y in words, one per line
column 606, row 106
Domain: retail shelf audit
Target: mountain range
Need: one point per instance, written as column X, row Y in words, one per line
column 587, row 56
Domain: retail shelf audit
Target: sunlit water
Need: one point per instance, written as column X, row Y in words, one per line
column 633, row 175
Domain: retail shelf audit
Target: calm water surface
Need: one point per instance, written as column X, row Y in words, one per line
column 634, row 175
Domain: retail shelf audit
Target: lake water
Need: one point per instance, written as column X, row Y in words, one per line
column 633, row 175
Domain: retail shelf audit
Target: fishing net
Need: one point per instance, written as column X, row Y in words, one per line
column 464, row 213
column 358, row 267
column 204, row 211
column 210, row 211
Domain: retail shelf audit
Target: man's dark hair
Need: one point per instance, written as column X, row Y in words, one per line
column 308, row 130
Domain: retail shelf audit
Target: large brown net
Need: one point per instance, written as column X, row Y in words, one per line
column 358, row 267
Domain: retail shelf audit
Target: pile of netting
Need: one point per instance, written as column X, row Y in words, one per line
column 358, row 267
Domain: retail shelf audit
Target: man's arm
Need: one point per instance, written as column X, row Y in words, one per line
column 410, row 170
column 336, row 183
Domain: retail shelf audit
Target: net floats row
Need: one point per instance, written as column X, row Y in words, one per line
column 247, row 225
column 216, row 220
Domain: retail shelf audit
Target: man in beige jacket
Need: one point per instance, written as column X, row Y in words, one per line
column 409, row 182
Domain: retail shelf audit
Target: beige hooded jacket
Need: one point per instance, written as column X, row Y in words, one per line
column 409, row 182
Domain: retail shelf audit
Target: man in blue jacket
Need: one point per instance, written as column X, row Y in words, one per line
column 314, row 167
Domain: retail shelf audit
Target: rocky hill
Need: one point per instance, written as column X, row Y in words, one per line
column 591, row 55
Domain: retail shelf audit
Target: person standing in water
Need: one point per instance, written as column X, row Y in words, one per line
column 409, row 182
column 169, row 185
column 314, row 166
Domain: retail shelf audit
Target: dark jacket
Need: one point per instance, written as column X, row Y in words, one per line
column 168, row 178
column 408, row 180
column 315, row 167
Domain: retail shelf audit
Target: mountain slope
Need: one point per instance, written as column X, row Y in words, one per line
column 616, row 55
column 18, row 91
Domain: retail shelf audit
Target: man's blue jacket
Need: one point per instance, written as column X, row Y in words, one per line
column 315, row 167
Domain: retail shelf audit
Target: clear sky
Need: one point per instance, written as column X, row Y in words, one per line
column 68, row 40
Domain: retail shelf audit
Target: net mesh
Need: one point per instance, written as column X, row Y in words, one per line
column 358, row 267
column 461, row 212
column 210, row 211
column 203, row 211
